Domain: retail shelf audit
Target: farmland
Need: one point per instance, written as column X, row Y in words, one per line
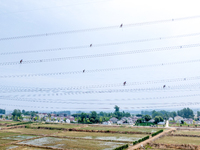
column 49, row 136
column 39, row 136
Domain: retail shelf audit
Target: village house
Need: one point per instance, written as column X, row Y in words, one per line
column 188, row 121
column 107, row 123
column 113, row 119
column 178, row 119
column 119, row 122
column 71, row 118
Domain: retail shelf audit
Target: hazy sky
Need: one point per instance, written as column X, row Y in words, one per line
column 36, row 88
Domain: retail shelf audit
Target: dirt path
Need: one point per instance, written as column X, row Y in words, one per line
column 137, row 146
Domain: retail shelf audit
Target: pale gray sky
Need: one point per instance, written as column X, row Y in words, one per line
column 20, row 17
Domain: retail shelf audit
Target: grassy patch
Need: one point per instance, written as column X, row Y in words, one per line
column 179, row 140
column 66, row 126
column 32, row 131
column 188, row 132
column 19, row 148
column 9, row 122
column 150, row 130
column 6, row 134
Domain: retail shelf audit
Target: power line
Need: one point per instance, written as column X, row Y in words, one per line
column 100, row 45
column 74, row 92
column 122, row 100
column 98, row 29
column 96, row 100
column 98, row 70
column 41, row 89
column 102, row 55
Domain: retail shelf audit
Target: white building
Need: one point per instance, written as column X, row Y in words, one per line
column 67, row 121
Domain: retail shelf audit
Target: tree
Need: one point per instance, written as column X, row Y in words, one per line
column 2, row 111
column 116, row 108
column 23, row 111
column 186, row 113
column 83, row 116
column 161, row 119
column 139, row 115
column 198, row 113
column 147, row 117
column 139, row 120
column 182, row 122
column 157, row 119
column 16, row 114
column 93, row 115
column 173, row 114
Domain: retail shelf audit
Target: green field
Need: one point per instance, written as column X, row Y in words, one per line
column 179, row 140
column 8, row 122
column 32, row 131
column 66, row 126
column 132, row 129
column 16, row 147
column 57, row 138
column 187, row 132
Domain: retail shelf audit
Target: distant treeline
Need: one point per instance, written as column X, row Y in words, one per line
column 2, row 111
column 66, row 113
column 185, row 113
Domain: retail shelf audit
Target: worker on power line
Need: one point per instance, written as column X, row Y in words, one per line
column 164, row 86
column 83, row 70
column 90, row 45
column 21, row 61
column 121, row 25
column 124, row 83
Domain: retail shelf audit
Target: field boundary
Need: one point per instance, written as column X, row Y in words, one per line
column 175, row 146
column 82, row 130
column 184, row 135
column 138, row 146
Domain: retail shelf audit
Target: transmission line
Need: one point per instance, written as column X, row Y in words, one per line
column 40, row 89
column 98, row 70
column 73, row 92
column 98, row 29
column 101, row 103
column 102, row 55
column 100, row 45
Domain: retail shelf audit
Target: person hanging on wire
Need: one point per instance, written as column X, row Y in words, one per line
column 21, row 61
column 124, row 83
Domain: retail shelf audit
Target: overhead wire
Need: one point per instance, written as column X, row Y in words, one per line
column 100, row 45
column 149, row 106
column 99, row 28
column 98, row 70
column 102, row 55
column 45, row 89
column 96, row 100
column 125, row 90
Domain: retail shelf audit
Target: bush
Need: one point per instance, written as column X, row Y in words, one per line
column 121, row 147
column 141, row 140
column 154, row 134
